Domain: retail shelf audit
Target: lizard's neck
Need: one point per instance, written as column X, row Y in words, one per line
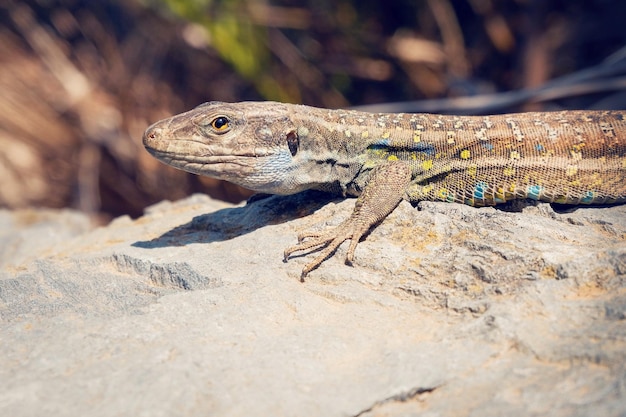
column 341, row 147
column 328, row 158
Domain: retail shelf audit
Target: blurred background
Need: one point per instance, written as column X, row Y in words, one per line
column 80, row 80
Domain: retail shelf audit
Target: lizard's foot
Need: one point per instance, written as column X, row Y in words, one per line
column 381, row 195
column 328, row 242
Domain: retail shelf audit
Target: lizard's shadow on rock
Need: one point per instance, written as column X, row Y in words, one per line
column 229, row 223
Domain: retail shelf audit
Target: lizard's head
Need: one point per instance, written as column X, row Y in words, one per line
column 251, row 144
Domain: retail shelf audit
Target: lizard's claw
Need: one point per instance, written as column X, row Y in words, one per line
column 328, row 242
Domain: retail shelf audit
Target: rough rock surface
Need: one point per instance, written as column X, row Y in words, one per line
column 189, row 310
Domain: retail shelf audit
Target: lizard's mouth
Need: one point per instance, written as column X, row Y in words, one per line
column 212, row 165
column 245, row 169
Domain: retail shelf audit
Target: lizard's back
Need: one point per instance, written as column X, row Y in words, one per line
column 569, row 157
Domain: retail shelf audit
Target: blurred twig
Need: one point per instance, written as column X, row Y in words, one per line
column 452, row 37
column 606, row 77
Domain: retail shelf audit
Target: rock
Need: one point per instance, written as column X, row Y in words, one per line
column 189, row 310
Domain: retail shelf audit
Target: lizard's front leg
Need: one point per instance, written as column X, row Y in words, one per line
column 381, row 195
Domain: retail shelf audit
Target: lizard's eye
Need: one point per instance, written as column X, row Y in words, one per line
column 220, row 124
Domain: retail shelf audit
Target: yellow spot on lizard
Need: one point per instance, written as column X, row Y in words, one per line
column 576, row 155
column 499, row 195
column 392, row 158
column 426, row 165
column 571, row 170
column 509, row 171
column 386, row 135
column 515, row 155
column 465, row 154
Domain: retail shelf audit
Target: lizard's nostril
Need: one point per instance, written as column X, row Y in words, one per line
column 151, row 135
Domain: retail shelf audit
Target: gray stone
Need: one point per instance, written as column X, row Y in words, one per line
column 189, row 310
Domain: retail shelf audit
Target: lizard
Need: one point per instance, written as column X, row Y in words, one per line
column 570, row 157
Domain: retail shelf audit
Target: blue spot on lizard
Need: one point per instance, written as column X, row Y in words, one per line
column 588, row 197
column 533, row 191
column 479, row 190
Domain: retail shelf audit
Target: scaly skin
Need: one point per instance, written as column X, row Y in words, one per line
column 568, row 157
